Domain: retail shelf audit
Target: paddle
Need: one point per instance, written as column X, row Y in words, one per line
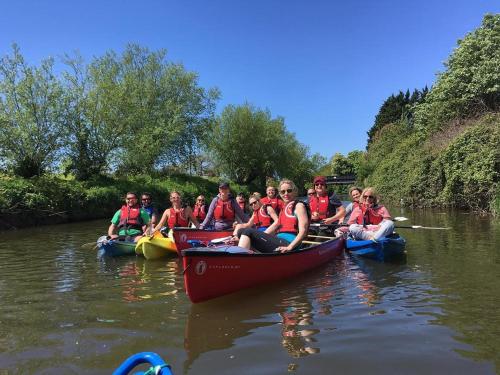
column 312, row 242
column 421, row 227
column 93, row 245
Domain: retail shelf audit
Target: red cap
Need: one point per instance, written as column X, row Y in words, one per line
column 319, row 180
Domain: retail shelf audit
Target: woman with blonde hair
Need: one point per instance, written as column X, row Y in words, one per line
column 286, row 233
column 370, row 220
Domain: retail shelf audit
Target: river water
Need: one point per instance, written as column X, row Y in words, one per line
column 64, row 310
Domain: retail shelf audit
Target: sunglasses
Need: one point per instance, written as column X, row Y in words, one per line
column 368, row 196
column 252, row 203
column 201, row 200
column 286, row 191
column 319, row 184
column 146, row 199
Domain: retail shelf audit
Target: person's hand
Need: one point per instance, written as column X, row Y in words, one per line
column 283, row 249
column 315, row 215
column 328, row 221
column 113, row 237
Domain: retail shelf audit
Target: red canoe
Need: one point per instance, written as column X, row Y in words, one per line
column 213, row 272
column 183, row 235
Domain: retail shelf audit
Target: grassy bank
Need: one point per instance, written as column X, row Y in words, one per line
column 53, row 199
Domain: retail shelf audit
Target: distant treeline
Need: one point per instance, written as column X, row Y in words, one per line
column 441, row 147
column 135, row 113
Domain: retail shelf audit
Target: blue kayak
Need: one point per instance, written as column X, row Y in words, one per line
column 158, row 365
column 384, row 249
column 114, row 248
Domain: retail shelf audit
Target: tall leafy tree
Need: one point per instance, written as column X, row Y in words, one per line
column 248, row 145
column 31, row 114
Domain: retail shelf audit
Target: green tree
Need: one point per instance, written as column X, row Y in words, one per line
column 340, row 165
column 31, row 114
column 470, row 86
column 167, row 113
column 248, row 145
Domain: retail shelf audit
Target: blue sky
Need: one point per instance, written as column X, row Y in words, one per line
column 325, row 66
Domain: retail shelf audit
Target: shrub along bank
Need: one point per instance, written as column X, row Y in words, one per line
column 51, row 199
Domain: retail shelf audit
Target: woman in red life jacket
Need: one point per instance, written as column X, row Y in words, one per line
column 324, row 208
column 223, row 211
column 130, row 221
column 273, row 199
column 370, row 220
column 177, row 216
column 200, row 209
column 263, row 215
column 286, row 233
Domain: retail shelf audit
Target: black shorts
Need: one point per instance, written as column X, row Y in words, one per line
column 262, row 242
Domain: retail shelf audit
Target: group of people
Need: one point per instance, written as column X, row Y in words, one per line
column 276, row 222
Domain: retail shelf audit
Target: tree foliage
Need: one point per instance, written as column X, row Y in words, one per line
column 396, row 108
column 470, row 86
column 31, row 115
column 249, row 145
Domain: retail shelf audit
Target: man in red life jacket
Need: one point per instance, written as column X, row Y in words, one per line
column 130, row 221
column 324, row 208
column 370, row 220
column 273, row 199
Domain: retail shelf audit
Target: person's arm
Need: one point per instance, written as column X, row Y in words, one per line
column 112, row 230
column 339, row 208
column 303, row 219
column 145, row 219
column 272, row 213
column 189, row 213
column 162, row 222
column 237, row 227
column 272, row 229
column 356, row 212
column 385, row 213
column 210, row 214
column 114, row 225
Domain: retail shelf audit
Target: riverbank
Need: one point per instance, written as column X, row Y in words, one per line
column 52, row 199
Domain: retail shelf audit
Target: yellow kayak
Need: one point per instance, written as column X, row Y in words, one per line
column 156, row 247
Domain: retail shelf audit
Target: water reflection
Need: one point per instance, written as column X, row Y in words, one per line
column 138, row 278
column 291, row 307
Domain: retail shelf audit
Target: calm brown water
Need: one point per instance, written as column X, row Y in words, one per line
column 63, row 310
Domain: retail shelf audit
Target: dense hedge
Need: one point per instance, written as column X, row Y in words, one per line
column 52, row 199
column 459, row 167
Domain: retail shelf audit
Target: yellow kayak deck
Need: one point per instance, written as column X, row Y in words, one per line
column 156, row 247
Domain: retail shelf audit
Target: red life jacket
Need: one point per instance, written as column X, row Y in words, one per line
column 200, row 212
column 261, row 218
column 130, row 217
column 370, row 216
column 224, row 211
column 275, row 203
column 242, row 206
column 287, row 220
column 321, row 205
column 177, row 219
